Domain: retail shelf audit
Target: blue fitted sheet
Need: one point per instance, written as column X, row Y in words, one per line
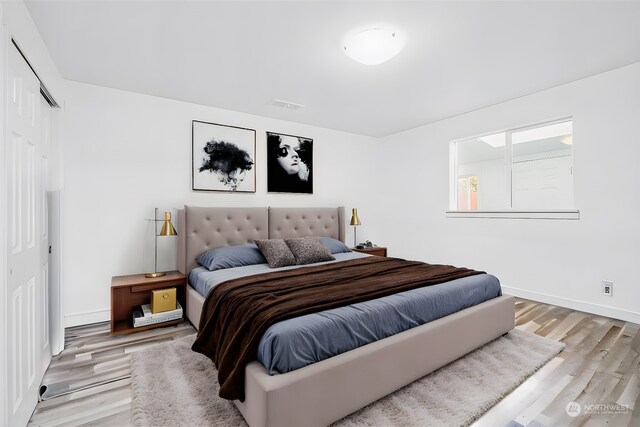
column 301, row 341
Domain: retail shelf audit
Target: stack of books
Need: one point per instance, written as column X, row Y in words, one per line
column 142, row 315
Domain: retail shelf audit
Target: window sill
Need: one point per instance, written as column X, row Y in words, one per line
column 558, row 214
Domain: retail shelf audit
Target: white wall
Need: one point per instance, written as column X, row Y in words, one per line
column 127, row 153
column 557, row 261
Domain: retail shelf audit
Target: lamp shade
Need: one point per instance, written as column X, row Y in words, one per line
column 354, row 217
column 167, row 227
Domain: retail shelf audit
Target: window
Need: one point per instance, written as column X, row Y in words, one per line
column 525, row 170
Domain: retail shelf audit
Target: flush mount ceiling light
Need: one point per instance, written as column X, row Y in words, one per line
column 374, row 46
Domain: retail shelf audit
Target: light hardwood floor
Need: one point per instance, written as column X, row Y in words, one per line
column 89, row 382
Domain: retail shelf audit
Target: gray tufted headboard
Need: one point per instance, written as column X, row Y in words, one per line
column 285, row 223
column 203, row 228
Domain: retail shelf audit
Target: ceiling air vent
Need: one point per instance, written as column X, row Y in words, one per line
column 286, row 104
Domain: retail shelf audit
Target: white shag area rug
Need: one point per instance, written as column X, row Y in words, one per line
column 174, row 386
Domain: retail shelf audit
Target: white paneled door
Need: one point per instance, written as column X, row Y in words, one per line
column 28, row 350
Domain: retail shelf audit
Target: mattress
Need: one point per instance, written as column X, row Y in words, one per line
column 301, row 341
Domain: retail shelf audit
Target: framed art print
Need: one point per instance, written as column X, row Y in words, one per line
column 223, row 158
column 289, row 164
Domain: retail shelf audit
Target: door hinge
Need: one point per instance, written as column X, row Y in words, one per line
column 49, row 249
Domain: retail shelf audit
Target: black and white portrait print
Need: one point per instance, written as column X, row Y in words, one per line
column 289, row 164
column 223, row 158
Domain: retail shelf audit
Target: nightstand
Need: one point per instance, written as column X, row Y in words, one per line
column 376, row 250
column 128, row 292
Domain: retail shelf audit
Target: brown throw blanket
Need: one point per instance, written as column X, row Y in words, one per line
column 238, row 312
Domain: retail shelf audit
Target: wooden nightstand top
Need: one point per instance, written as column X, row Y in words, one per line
column 140, row 279
column 375, row 250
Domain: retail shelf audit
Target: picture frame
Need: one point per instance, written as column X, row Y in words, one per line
column 289, row 164
column 223, row 158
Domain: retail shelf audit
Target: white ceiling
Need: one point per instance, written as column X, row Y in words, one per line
column 460, row 55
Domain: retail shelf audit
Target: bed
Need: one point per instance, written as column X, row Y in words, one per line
column 323, row 392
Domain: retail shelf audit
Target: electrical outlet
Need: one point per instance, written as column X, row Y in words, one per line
column 607, row 288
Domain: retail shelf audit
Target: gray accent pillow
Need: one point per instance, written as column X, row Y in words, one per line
column 308, row 250
column 230, row 257
column 335, row 246
column 276, row 252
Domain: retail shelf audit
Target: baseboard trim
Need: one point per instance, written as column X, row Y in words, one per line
column 602, row 310
column 86, row 318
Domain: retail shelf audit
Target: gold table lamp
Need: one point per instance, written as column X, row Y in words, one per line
column 167, row 230
column 355, row 222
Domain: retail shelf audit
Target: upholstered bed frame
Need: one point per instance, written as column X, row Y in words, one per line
column 324, row 392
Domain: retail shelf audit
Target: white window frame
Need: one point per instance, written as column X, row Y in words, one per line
column 571, row 214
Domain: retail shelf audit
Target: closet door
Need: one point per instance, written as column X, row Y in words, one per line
column 28, row 353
